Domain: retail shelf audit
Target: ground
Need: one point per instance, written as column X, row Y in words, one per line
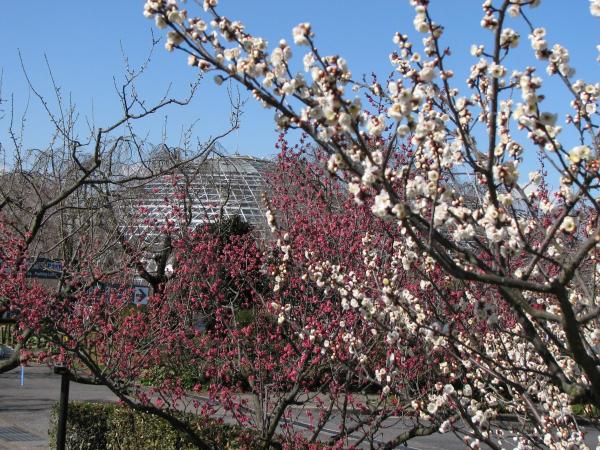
column 25, row 411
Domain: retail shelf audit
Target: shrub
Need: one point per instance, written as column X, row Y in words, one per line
column 103, row 426
column 188, row 374
column 586, row 411
column 87, row 425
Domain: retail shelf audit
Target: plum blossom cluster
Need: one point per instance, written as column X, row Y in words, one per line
column 502, row 264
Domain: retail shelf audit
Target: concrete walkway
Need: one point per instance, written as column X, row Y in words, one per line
column 25, row 410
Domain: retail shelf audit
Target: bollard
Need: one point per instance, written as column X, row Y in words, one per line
column 61, row 432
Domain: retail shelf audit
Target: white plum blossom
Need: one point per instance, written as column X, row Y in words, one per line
column 497, row 70
column 538, row 43
column 477, row 50
column 509, row 38
column 535, row 177
column 210, row 4
column 376, row 125
column 568, row 224
column 160, row 22
column 382, row 204
column 427, row 74
column 173, row 39
column 420, row 22
column 301, row 33
column 595, row 8
column 579, row 153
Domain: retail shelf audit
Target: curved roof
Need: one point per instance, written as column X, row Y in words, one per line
column 220, row 185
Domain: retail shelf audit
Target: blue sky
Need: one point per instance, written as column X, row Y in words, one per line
column 83, row 39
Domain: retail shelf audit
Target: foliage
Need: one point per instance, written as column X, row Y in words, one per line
column 88, row 425
column 409, row 255
column 107, row 426
column 226, row 227
column 271, row 347
column 491, row 273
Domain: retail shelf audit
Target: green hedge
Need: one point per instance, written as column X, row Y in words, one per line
column 100, row 426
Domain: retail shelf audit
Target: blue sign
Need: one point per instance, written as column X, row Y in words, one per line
column 45, row 268
column 140, row 295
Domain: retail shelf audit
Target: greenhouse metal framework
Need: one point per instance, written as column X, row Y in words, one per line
column 218, row 186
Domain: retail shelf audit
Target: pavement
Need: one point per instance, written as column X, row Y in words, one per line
column 25, row 410
column 25, row 413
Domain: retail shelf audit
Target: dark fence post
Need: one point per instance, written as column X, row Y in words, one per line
column 61, row 432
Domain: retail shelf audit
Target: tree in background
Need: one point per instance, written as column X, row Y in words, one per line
column 68, row 201
column 235, row 327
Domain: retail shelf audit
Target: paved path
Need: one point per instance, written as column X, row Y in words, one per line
column 25, row 410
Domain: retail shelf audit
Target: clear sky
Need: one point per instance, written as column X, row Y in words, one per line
column 82, row 40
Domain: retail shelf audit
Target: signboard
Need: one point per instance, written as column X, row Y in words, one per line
column 140, row 295
column 45, row 268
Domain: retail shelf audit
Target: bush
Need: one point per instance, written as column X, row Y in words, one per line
column 586, row 411
column 103, row 426
column 188, row 374
column 87, row 425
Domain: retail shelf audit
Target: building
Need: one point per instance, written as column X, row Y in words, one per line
column 217, row 186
